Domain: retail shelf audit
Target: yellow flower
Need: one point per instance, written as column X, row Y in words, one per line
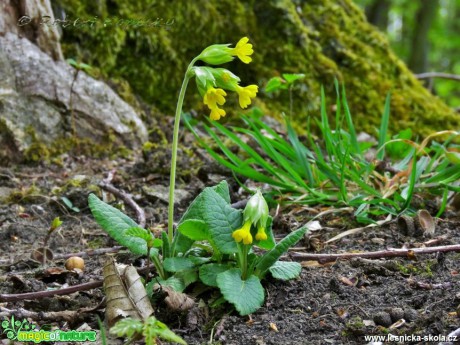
column 243, row 234
column 216, row 113
column 213, row 97
column 243, row 50
column 245, row 94
column 261, row 235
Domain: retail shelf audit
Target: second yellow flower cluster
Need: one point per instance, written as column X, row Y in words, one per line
column 212, row 82
column 255, row 214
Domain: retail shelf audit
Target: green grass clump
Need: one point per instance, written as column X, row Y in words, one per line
column 336, row 168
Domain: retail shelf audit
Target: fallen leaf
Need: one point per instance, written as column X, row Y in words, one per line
column 126, row 295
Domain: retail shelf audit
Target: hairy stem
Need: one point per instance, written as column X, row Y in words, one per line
column 172, row 179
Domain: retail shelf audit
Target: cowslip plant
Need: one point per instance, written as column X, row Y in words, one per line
column 212, row 83
column 233, row 266
column 213, row 242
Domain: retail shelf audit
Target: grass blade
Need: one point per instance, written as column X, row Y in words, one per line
column 384, row 128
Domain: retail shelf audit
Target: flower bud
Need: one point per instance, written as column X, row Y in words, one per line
column 217, row 54
column 256, row 210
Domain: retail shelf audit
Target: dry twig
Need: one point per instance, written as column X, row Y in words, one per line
column 106, row 185
column 391, row 253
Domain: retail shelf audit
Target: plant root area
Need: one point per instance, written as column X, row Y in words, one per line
column 334, row 302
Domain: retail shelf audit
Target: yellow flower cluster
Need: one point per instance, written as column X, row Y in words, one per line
column 223, row 79
column 212, row 99
column 255, row 213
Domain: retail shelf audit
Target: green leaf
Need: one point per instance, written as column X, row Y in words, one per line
column 194, row 229
column 290, row 78
column 157, row 243
column 222, row 190
column 69, row 204
column 175, row 283
column 203, row 75
column 127, row 327
column 154, row 328
column 222, row 220
column 166, row 245
column 212, row 206
column 177, row 264
column 188, row 276
column 274, row 84
column 116, row 224
column 273, row 255
column 142, row 234
column 285, row 270
column 246, row 295
column 56, row 223
column 208, row 273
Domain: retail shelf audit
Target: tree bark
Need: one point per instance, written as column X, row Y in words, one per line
column 377, row 13
column 418, row 61
column 34, row 20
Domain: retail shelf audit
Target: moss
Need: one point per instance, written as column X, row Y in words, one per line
column 40, row 152
column 354, row 327
column 325, row 39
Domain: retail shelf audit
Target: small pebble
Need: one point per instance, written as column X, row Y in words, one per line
column 382, row 318
column 410, row 314
column 396, row 314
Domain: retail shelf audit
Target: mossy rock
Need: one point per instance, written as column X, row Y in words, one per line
column 324, row 39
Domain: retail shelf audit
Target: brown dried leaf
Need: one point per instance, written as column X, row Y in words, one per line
column 315, row 263
column 177, row 301
column 126, row 295
column 349, row 282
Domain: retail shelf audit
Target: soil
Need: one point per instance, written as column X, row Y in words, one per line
column 331, row 303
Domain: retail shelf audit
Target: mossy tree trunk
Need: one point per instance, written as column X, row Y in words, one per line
column 324, row 39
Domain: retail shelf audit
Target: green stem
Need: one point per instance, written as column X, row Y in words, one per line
column 243, row 250
column 172, row 179
column 159, row 266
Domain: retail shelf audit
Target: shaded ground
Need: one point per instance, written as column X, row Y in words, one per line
column 335, row 303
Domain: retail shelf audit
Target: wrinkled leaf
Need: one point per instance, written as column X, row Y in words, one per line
column 194, row 229
column 208, row 273
column 116, row 224
column 246, row 295
column 285, row 270
column 142, row 234
column 177, row 264
column 175, row 283
column 222, row 220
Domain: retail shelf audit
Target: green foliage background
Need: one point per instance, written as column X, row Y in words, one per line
column 325, row 39
column 443, row 37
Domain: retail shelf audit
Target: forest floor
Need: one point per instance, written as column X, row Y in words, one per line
column 330, row 303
